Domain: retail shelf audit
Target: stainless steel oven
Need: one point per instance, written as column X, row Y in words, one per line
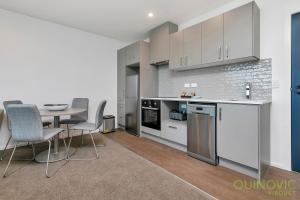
column 151, row 114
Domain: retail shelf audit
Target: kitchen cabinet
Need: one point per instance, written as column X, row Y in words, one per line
column 192, row 45
column 212, row 40
column 176, row 50
column 175, row 131
column 185, row 47
column 238, row 134
column 133, row 53
column 241, row 32
column 232, row 37
column 121, row 82
column 160, row 43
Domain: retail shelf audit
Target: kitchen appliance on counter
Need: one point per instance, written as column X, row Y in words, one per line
column 201, row 132
column 151, row 114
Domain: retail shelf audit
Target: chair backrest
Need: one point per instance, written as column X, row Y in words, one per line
column 5, row 104
column 99, row 114
column 26, row 122
column 81, row 103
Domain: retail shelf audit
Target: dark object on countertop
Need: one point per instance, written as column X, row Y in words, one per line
column 186, row 97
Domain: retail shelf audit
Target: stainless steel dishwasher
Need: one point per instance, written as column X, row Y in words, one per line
column 201, row 132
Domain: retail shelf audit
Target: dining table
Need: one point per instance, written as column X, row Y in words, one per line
column 57, row 153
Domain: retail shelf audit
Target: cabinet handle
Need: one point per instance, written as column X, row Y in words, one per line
column 220, row 53
column 220, row 114
column 185, row 60
column 173, row 127
column 227, row 51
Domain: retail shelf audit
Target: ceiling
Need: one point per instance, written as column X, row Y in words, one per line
column 125, row 20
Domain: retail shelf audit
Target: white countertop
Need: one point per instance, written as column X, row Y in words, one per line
column 203, row 100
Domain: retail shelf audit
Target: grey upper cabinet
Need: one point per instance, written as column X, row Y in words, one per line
column 185, row 48
column 212, row 40
column 238, row 142
column 176, row 50
column 192, row 45
column 241, row 32
column 232, row 37
column 160, row 43
column 133, row 53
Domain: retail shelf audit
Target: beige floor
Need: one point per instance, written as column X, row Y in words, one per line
column 117, row 174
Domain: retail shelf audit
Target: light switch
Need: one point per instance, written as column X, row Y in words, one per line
column 187, row 85
column 194, row 85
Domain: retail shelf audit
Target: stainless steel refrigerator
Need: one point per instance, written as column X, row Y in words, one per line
column 132, row 103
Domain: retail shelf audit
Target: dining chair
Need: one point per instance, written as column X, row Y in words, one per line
column 27, row 126
column 16, row 102
column 82, row 103
column 90, row 127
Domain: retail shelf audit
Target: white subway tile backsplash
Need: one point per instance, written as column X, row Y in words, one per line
column 222, row 82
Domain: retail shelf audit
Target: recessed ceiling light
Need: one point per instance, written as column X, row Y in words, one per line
column 150, row 14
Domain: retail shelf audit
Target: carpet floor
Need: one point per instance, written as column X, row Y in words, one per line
column 117, row 174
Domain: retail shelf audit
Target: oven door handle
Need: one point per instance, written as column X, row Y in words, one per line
column 147, row 108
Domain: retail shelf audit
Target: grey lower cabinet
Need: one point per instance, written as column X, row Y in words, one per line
column 241, row 32
column 212, row 40
column 243, row 137
column 175, row 131
column 237, row 129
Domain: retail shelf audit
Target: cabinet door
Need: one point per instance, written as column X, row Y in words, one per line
column 192, row 45
column 160, row 44
column 176, row 50
column 121, row 80
column 212, row 40
column 238, row 32
column 237, row 133
column 132, row 54
column 174, row 131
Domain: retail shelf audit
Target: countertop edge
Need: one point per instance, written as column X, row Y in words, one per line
column 246, row 102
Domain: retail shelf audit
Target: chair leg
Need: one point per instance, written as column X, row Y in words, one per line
column 103, row 141
column 49, row 149
column 82, row 137
column 97, row 155
column 79, row 159
column 68, row 130
column 2, row 154
column 12, row 154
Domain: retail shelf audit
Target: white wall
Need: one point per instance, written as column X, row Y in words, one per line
column 43, row 62
column 275, row 44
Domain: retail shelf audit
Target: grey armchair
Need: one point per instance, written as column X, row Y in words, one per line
column 78, row 118
column 90, row 127
column 27, row 126
column 14, row 102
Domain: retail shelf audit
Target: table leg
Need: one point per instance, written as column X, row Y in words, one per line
column 56, row 138
column 57, row 153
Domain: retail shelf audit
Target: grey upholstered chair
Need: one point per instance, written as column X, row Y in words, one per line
column 78, row 118
column 91, row 127
column 14, row 102
column 27, row 126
